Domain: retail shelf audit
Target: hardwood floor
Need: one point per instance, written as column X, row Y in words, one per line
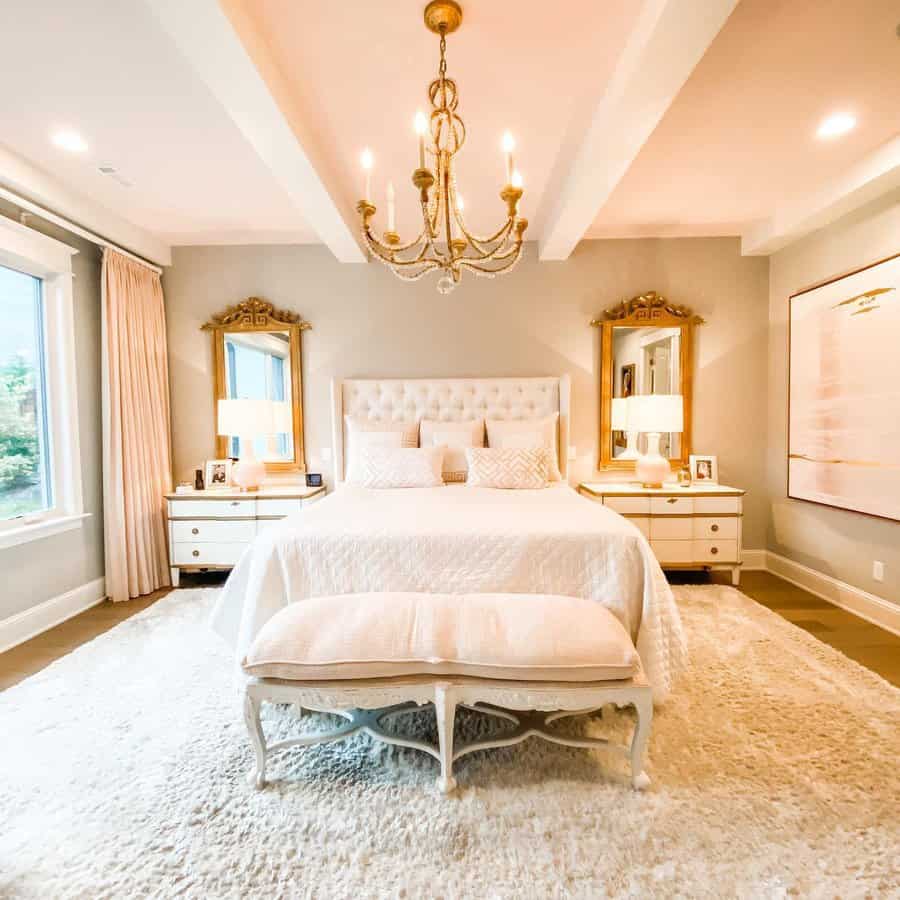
column 873, row 647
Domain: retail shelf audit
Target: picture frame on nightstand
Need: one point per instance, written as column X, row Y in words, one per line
column 704, row 469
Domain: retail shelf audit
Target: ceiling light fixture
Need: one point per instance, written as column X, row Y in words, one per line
column 70, row 141
column 836, row 125
column 445, row 244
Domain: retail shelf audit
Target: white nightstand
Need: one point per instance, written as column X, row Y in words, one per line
column 698, row 527
column 211, row 529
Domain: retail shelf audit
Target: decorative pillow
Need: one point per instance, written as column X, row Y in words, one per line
column 362, row 433
column 527, row 433
column 511, row 468
column 454, row 437
column 397, row 467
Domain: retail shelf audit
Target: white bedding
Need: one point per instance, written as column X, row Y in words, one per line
column 459, row 539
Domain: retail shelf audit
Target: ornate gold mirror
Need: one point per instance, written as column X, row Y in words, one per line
column 646, row 350
column 256, row 357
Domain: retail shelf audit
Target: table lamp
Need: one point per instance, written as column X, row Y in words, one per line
column 621, row 409
column 248, row 420
column 655, row 414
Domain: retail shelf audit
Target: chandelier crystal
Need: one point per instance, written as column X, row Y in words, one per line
column 445, row 244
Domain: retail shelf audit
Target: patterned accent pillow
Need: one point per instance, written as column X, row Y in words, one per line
column 362, row 433
column 454, row 437
column 397, row 467
column 527, row 433
column 513, row 468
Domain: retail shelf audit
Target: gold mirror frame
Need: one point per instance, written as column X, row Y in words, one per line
column 650, row 310
column 256, row 314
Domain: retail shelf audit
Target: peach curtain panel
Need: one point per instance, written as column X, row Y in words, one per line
column 137, row 462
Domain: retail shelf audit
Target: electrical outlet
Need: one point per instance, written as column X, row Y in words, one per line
column 878, row 570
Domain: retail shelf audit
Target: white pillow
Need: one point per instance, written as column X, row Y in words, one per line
column 397, row 467
column 510, row 468
column 454, row 437
column 520, row 433
column 362, row 433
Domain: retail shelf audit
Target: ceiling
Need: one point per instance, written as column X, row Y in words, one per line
column 157, row 89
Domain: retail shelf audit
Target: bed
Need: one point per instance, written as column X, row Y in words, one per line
column 457, row 539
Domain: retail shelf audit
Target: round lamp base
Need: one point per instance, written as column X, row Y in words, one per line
column 249, row 474
column 651, row 470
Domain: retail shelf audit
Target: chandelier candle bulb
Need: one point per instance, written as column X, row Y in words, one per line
column 390, row 206
column 366, row 160
column 509, row 144
column 516, row 179
column 421, row 124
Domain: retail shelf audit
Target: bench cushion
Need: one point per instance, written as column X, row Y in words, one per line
column 524, row 637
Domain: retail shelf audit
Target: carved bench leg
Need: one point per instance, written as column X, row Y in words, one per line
column 644, row 708
column 445, row 711
column 257, row 739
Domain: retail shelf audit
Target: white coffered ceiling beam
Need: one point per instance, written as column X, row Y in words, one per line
column 259, row 104
column 669, row 39
column 874, row 175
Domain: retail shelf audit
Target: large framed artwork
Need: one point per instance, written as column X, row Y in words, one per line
column 844, row 382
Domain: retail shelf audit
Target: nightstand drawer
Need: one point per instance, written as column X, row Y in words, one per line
column 673, row 551
column 628, row 504
column 280, row 507
column 212, row 508
column 663, row 528
column 713, row 528
column 201, row 531
column 717, row 505
column 671, row 506
column 221, row 554
column 715, row 551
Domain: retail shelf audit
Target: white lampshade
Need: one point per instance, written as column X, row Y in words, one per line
column 656, row 413
column 249, row 418
column 620, row 413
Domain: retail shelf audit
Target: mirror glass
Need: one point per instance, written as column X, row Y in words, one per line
column 258, row 367
column 646, row 360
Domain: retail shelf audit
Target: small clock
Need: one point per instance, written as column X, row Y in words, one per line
column 313, row 480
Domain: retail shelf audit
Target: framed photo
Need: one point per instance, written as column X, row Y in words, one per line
column 628, row 380
column 844, row 394
column 218, row 474
column 704, row 469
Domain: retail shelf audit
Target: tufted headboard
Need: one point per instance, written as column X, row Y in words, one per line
column 450, row 399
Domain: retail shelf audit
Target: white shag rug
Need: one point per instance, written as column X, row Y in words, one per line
column 774, row 765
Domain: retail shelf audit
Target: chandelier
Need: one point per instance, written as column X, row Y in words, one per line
column 444, row 244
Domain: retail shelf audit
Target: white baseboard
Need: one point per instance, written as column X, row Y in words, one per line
column 753, row 560
column 861, row 603
column 24, row 625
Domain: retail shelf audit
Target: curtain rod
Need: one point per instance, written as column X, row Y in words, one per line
column 50, row 216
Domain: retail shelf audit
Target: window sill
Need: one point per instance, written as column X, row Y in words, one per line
column 23, row 533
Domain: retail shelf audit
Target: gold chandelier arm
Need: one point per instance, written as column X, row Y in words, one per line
column 479, row 245
column 509, row 260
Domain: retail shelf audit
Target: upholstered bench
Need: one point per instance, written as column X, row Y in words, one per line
column 529, row 658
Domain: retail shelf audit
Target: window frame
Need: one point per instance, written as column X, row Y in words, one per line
column 50, row 260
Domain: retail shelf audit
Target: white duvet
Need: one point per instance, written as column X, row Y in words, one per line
column 458, row 539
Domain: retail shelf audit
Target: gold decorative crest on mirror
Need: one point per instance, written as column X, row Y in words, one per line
column 257, row 357
column 646, row 349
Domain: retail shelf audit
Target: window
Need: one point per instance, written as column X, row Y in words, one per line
column 25, row 484
column 40, row 468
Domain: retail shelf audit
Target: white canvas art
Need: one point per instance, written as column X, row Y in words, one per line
column 844, row 447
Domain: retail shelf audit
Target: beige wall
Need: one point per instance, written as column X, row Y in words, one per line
column 531, row 322
column 45, row 568
column 838, row 543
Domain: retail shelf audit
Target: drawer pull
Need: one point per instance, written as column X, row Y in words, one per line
column 195, row 531
column 672, row 500
column 235, row 503
column 197, row 553
column 714, row 550
column 714, row 528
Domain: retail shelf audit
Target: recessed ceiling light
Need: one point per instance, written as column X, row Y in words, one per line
column 836, row 125
column 71, row 141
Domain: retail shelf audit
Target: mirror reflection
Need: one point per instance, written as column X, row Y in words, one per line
column 258, row 367
column 646, row 361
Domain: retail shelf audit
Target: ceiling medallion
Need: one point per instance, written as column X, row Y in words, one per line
column 444, row 244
